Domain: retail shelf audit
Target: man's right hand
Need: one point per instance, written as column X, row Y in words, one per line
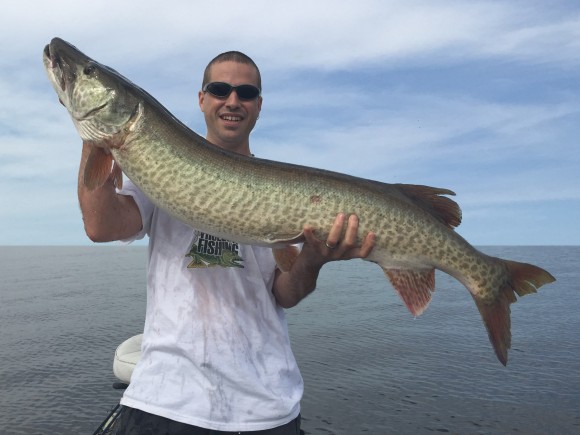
column 107, row 216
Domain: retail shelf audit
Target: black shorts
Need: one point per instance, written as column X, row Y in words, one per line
column 136, row 422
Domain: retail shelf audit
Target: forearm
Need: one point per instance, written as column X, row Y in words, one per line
column 107, row 216
column 293, row 286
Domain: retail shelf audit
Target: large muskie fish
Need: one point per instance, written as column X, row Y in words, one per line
column 262, row 202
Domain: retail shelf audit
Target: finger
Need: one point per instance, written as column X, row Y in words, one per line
column 368, row 245
column 351, row 235
column 308, row 232
column 336, row 231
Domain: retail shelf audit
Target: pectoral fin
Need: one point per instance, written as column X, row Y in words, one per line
column 97, row 168
column 117, row 175
column 414, row 287
column 285, row 257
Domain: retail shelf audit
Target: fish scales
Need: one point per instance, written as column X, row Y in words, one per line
column 262, row 202
column 228, row 191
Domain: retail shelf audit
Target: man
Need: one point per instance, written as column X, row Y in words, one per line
column 216, row 356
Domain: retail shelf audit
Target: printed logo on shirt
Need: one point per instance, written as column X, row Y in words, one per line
column 210, row 251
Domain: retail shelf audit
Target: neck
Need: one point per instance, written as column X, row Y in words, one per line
column 236, row 147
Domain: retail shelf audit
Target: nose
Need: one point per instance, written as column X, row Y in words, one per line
column 232, row 100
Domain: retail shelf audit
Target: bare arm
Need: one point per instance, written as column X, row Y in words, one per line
column 293, row 286
column 107, row 216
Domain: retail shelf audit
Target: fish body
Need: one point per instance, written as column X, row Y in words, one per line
column 262, row 202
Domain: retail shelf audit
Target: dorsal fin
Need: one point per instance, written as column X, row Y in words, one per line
column 430, row 200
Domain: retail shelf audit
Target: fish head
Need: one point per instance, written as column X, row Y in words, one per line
column 99, row 100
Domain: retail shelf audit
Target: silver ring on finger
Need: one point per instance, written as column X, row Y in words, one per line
column 329, row 246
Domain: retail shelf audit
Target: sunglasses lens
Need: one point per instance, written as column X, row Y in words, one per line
column 219, row 89
column 247, row 92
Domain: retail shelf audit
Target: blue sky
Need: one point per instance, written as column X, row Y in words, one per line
column 481, row 97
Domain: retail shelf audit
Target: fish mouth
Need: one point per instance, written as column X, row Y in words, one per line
column 90, row 112
column 48, row 58
column 53, row 65
column 60, row 60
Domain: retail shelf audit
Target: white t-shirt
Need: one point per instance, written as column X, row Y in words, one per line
column 216, row 352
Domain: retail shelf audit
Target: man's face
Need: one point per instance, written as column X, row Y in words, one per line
column 230, row 120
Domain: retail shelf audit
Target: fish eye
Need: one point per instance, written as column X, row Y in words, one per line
column 89, row 69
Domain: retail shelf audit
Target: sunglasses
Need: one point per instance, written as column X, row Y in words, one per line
column 222, row 90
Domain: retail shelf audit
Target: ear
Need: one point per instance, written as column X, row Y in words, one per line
column 201, row 98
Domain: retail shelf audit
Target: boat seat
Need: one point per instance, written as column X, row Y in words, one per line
column 126, row 356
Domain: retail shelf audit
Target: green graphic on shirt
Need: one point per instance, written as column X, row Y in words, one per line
column 210, row 251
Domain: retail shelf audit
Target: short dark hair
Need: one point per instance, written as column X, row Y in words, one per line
column 231, row 56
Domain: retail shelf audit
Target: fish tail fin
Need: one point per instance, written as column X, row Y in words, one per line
column 522, row 279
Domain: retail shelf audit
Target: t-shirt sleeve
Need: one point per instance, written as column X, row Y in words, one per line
column 146, row 208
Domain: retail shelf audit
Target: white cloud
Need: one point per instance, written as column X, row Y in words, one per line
column 541, row 42
column 422, row 127
column 491, row 147
column 300, row 34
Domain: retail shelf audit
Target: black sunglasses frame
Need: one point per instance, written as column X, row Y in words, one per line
column 244, row 92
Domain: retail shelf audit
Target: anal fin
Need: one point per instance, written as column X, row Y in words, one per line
column 414, row 287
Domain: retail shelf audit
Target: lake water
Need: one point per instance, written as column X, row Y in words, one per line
column 369, row 366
